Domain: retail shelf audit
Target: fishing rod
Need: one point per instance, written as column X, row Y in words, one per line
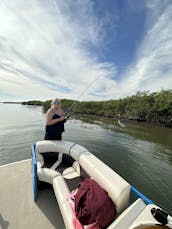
column 83, row 92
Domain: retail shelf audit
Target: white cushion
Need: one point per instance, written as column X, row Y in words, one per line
column 70, row 173
column 60, row 189
column 53, row 146
column 40, row 160
column 76, row 166
column 145, row 217
column 76, row 150
column 47, row 175
column 61, row 192
column 117, row 188
column 89, row 162
column 67, row 214
column 128, row 216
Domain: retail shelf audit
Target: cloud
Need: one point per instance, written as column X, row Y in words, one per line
column 152, row 69
column 47, row 49
column 46, row 44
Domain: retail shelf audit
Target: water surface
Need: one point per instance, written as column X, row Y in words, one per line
column 141, row 153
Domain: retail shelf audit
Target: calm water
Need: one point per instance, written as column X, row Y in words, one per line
column 141, row 153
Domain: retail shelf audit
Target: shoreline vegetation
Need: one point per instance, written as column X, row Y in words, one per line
column 142, row 107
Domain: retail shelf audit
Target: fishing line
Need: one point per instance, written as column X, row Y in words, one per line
column 83, row 92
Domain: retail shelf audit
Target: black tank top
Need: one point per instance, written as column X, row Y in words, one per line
column 53, row 131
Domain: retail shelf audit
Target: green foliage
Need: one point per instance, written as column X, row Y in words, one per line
column 143, row 106
column 34, row 103
column 46, row 105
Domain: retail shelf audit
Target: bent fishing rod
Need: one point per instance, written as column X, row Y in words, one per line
column 83, row 92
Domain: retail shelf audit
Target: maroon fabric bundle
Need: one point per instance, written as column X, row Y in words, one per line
column 92, row 203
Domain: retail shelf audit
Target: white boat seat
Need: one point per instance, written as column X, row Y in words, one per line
column 128, row 216
column 67, row 214
column 61, row 189
column 40, row 160
column 117, row 188
column 47, row 175
column 61, row 192
column 72, row 172
column 87, row 164
column 145, row 217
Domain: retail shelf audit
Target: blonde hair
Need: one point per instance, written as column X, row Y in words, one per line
column 54, row 101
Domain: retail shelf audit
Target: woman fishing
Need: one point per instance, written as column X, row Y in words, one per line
column 55, row 119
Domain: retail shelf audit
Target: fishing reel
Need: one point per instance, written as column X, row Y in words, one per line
column 66, row 117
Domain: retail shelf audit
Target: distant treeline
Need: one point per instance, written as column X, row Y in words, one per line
column 143, row 106
column 12, row 102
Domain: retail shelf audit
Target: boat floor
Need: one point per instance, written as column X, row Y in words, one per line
column 17, row 207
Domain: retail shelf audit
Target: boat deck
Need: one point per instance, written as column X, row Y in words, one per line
column 17, row 208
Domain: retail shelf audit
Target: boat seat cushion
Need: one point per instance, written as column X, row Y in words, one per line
column 145, row 217
column 117, row 188
column 128, row 216
column 72, row 172
column 67, row 214
column 89, row 165
column 47, row 175
column 40, row 160
column 61, row 189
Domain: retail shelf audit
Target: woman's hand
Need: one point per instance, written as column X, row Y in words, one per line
column 62, row 118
